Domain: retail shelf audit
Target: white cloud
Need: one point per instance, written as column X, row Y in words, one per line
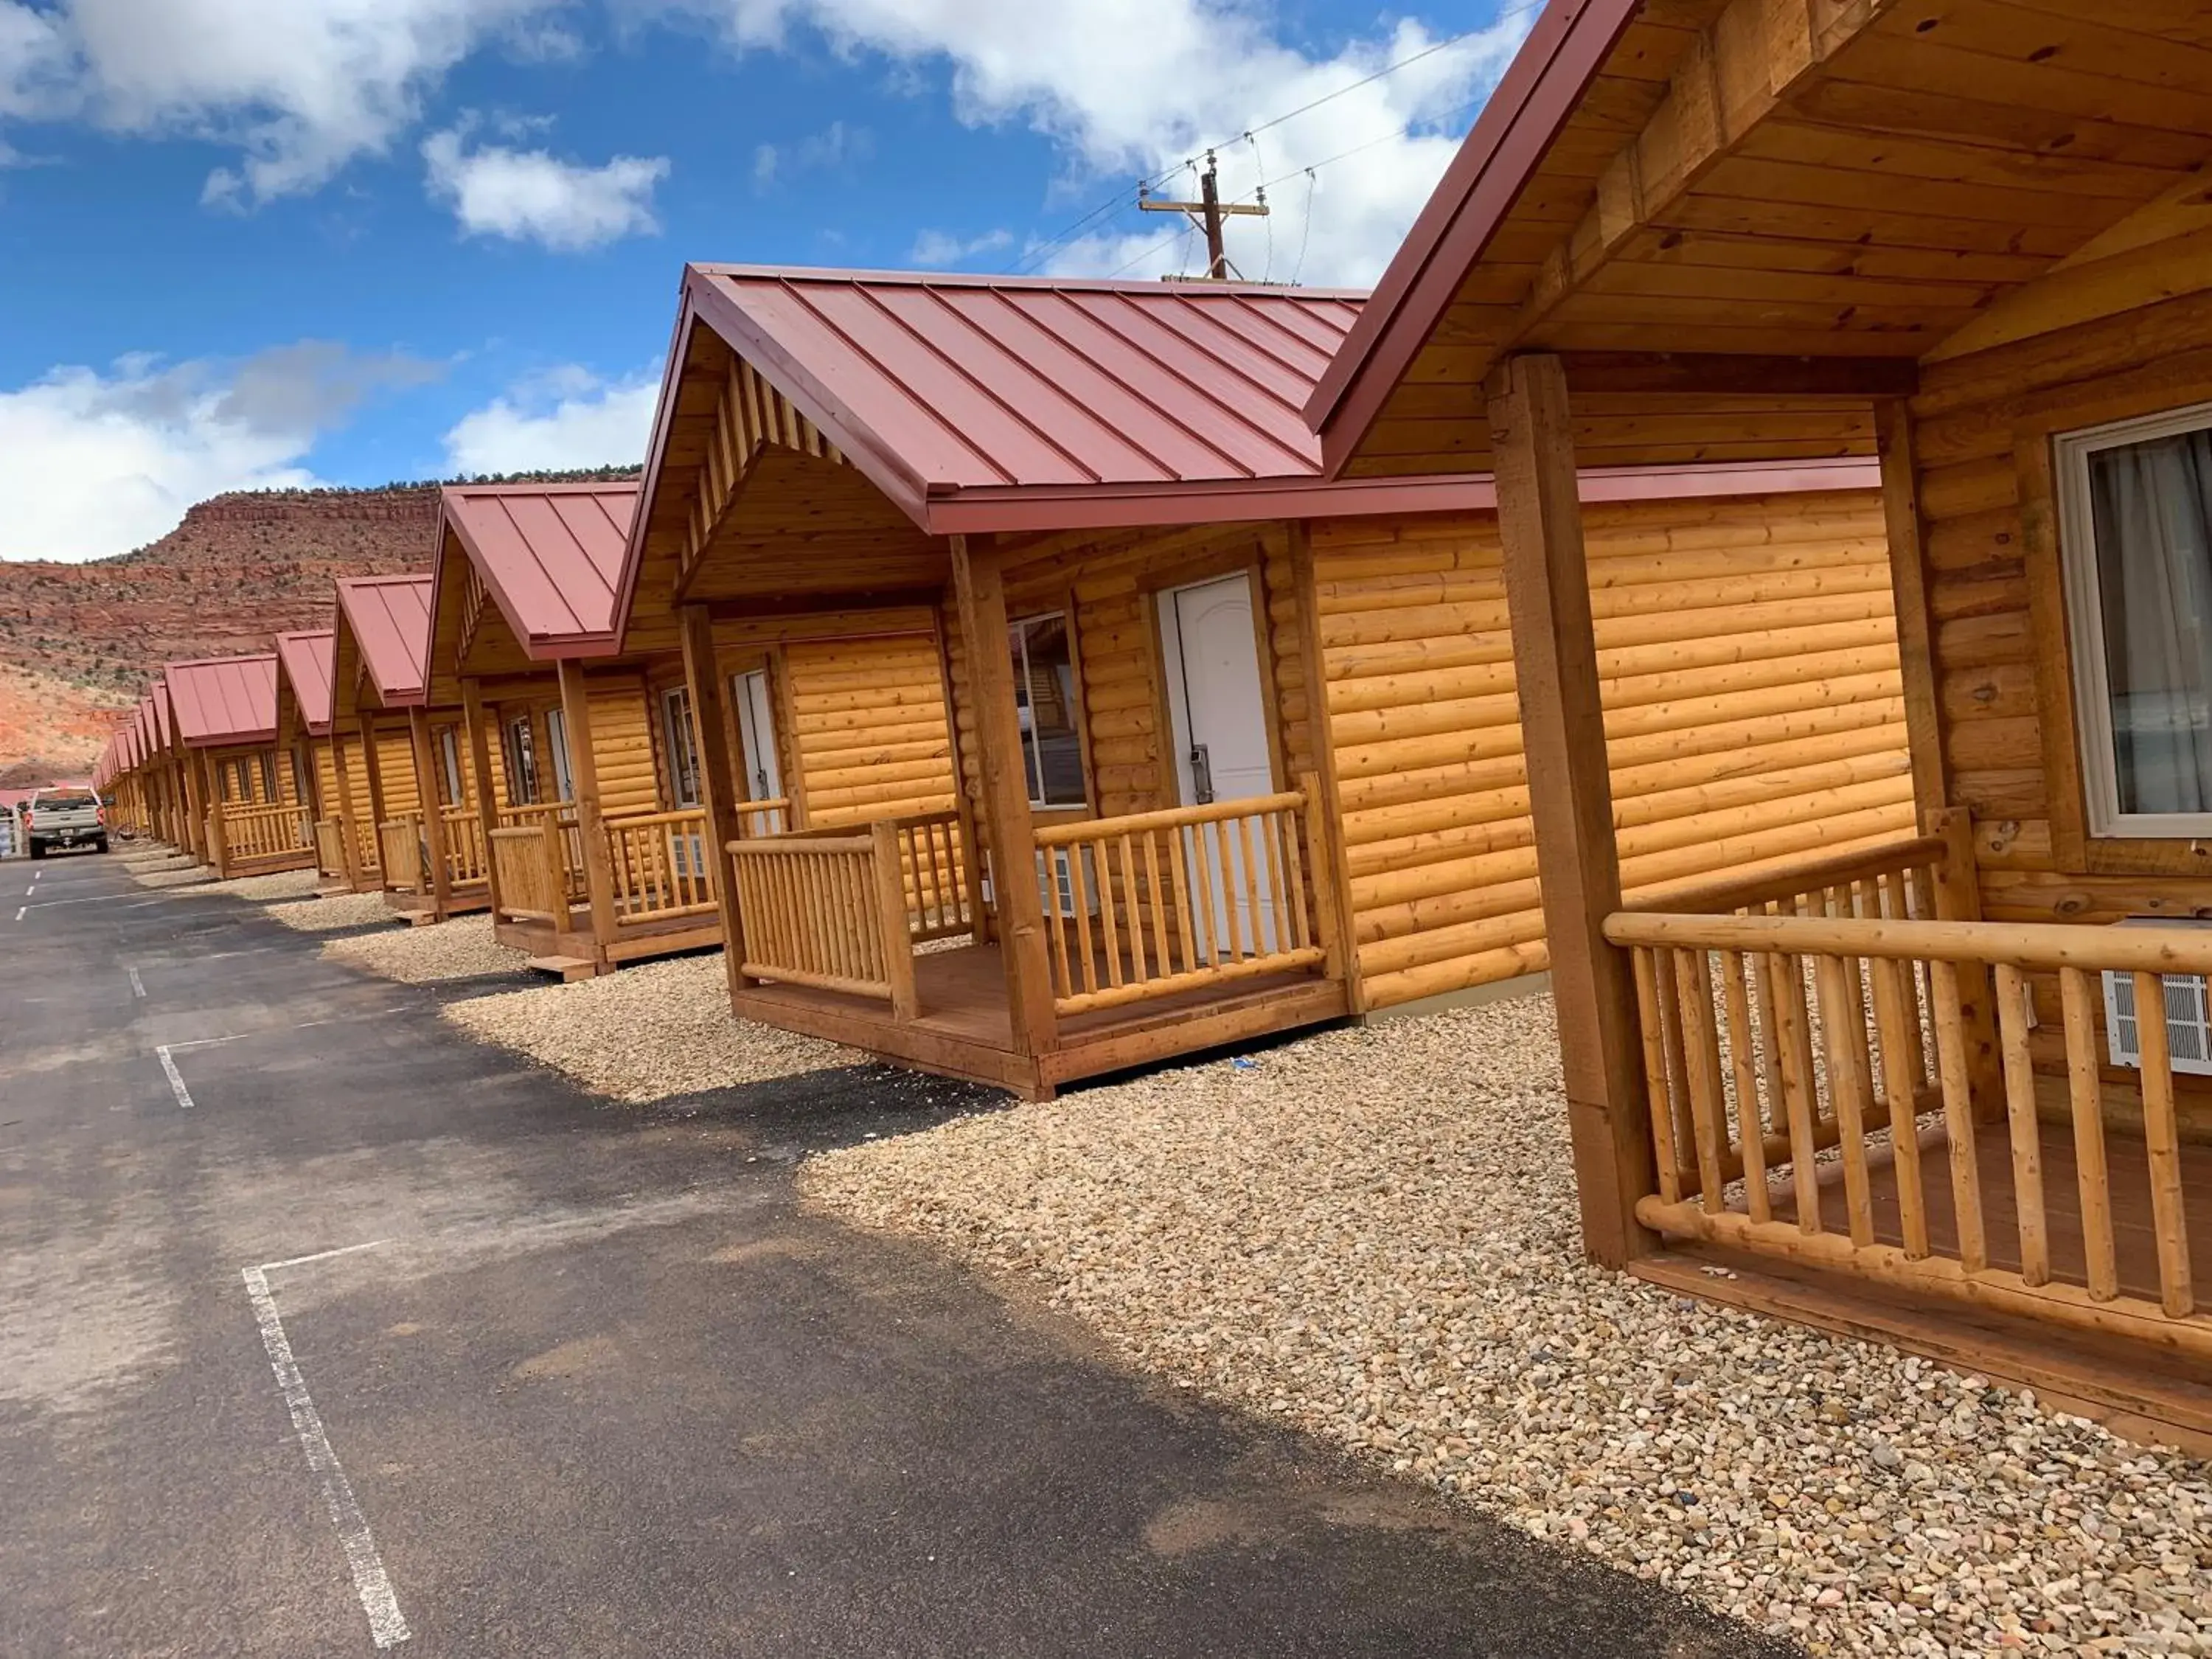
column 299, row 87
column 94, row 464
column 533, row 196
column 569, row 420
column 1138, row 86
column 837, row 148
column 939, row 247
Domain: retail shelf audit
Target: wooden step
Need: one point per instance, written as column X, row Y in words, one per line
column 570, row 968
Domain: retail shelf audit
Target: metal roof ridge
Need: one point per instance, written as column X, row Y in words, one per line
column 745, row 270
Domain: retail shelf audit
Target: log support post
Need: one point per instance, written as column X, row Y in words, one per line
column 1958, row 898
column 348, row 821
column 196, row 804
column 1571, row 799
column 487, row 795
column 218, row 838
column 438, row 879
column 980, row 586
column 372, row 767
column 584, row 773
column 712, row 724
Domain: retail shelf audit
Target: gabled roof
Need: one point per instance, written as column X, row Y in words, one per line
column 165, row 730
column 551, row 556
column 971, row 401
column 389, row 618
column 224, row 700
column 1730, row 221
column 304, row 659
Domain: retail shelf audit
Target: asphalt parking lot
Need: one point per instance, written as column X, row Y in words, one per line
column 328, row 1330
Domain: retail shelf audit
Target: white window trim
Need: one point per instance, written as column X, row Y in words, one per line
column 2085, row 617
column 1021, row 626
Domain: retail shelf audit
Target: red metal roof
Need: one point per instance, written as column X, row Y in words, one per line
column 224, row 700
column 970, row 391
column 390, row 619
column 164, row 718
column 1565, row 49
column 551, row 557
column 305, row 660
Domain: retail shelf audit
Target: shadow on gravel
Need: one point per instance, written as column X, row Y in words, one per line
column 821, row 1111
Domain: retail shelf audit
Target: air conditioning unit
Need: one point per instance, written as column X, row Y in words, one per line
column 1056, row 880
column 2188, row 1012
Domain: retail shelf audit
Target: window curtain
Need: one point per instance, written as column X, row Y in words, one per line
column 2152, row 505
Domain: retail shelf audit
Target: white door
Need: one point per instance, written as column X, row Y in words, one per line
column 1217, row 704
column 556, row 732
column 763, row 776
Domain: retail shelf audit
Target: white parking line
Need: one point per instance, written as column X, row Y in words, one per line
column 19, row 911
column 176, row 1079
column 387, row 1626
column 137, row 985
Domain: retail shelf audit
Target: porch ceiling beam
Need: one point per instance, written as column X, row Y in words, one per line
column 1742, row 67
column 1727, row 374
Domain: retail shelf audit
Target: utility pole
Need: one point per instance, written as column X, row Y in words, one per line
column 1207, row 213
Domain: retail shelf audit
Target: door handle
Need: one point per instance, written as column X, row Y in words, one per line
column 1201, row 775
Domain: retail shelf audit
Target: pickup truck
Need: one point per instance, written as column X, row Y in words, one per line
column 65, row 817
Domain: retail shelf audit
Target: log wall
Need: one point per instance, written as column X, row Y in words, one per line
column 1754, row 703
column 868, row 727
column 2000, row 674
column 621, row 743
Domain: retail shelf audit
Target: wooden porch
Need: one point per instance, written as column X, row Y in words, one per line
column 582, row 900
column 258, row 839
column 1851, row 1076
column 1162, row 933
column 963, row 1026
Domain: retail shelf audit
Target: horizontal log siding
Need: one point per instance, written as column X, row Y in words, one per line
column 621, row 743
column 1990, row 709
column 1754, row 708
column 395, row 761
column 870, row 728
column 326, row 775
column 1985, row 644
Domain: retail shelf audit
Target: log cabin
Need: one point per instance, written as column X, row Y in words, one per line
column 599, row 857
column 409, row 766
column 1254, row 730
column 251, row 818
column 307, row 737
column 156, row 764
column 1955, row 1092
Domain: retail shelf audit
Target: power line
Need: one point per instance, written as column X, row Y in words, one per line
column 1044, row 250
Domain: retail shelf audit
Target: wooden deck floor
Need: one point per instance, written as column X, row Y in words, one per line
column 965, row 1026
column 2135, row 1247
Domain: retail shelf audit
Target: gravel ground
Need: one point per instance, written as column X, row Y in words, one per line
column 646, row 1033
column 461, row 949
column 174, row 875
column 1372, row 1234
column 270, row 889
column 328, row 916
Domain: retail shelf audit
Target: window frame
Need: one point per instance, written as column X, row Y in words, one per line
column 521, row 761
column 1018, row 626
column 558, row 762
column 2096, row 752
column 680, row 734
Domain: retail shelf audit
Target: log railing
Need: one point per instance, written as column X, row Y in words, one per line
column 263, row 832
column 561, row 815
column 1827, row 1085
column 829, row 911
column 531, row 868
column 467, row 858
column 942, row 893
column 400, row 843
column 770, row 817
column 1157, row 903
column 330, row 846
column 369, row 847
column 658, row 862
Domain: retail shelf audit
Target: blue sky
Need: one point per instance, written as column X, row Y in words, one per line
column 273, row 242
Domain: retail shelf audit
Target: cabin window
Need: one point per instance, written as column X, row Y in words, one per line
column 1044, row 708
column 683, row 749
column 449, row 766
column 303, row 786
column 557, row 739
column 521, row 760
column 268, row 776
column 2136, row 505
